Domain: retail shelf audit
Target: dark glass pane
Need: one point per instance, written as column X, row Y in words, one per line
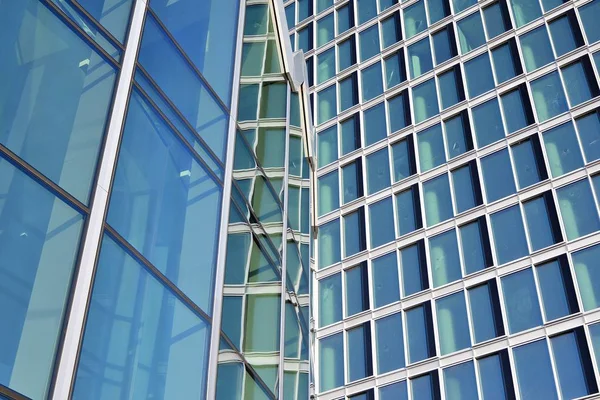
column 399, row 112
column 372, row 82
column 354, row 233
column 525, row 11
column 425, row 101
column 565, row 35
column 577, row 209
column 524, row 156
column 369, row 42
column 465, row 190
column 569, row 365
column 414, row 277
column 553, row 290
column 443, row 45
column 588, row 127
column 562, row 149
column 352, row 187
column 578, row 84
column 418, row 334
column 359, row 352
column 357, row 290
column 431, row 148
column 590, row 14
column 395, row 391
column 419, row 56
column 517, row 110
column 346, row 54
column 390, row 30
column 384, row 271
column 479, row 75
column 585, row 263
column 537, row 50
column 458, row 135
column 493, row 379
column 327, row 146
column 506, row 62
column 350, row 134
column 415, row 20
column 374, row 124
column 451, row 91
column 395, row 71
column 470, row 33
column 407, row 208
column 475, row 246
column 483, row 313
column 548, row 96
column 328, row 188
column 496, row 20
column 497, row 175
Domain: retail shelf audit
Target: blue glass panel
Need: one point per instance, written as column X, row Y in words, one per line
column 589, row 133
column 497, row 175
column 526, row 166
column 458, row 135
column 346, row 54
column 464, row 189
column 366, row 9
column 534, row 371
column 39, row 246
column 384, row 271
column 509, row 235
column 437, row 199
column 179, row 233
column 482, row 313
column 305, row 38
column 330, row 300
column 369, row 42
column 431, row 148
column 488, row 123
column 422, row 388
column 563, row 34
column 399, row 112
column 419, row 56
column 590, row 14
column 521, row 301
column 587, row 270
column 305, row 9
column 166, row 343
column 577, row 209
column 569, row 366
column 390, row 30
column 425, row 101
column 496, row 20
column 417, row 333
column 460, row 5
column 352, row 187
column 395, row 391
column 459, row 382
column 553, row 290
column 354, row 233
column 348, row 92
column 525, row 11
column 345, row 19
column 450, row 88
column 470, row 32
column 576, row 81
column 378, row 171
column 114, row 16
column 492, row 379
column 407, row 207
column 290, row 16
column 390, row 343
column 325, row 65
column 357, row 290
column 537, row 50
column 372, row 82
column 327, row 143
column 548, row 96
column 444, row 258
column 381, row 216
column 395, row 71
column 331, row 362
column 438, row 9
column 327, row 105
column 323, row 4
column 374, row 124
column 562, row 149
column 414, row 278
column 539, row 224
column 359, row 352
column 402, row 159
column 515, row 110
column 443, row 45
column 325, row 30
column 350, row 134
column 56, row 92
column 453, row 324
column 256, row 19
column 595, row 336
column 415, row 20
column 479, row 75
column 473, row 247
column 506, row 64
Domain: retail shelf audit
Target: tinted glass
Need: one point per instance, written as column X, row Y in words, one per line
column 395, row 391
column 509, row 235
column 369, row 42
column 419, row 55
column 524, row 156
column 330, row 300
column 552, row 287
column 539, row 223
column 346, row 54
column 506, row 62
column 326, row 65
column 414, row 19
column 417, row 331
column 458, row 135
column 443, row 45
column 470, row 33
column 459, row 382
column 399, row 112
column 534, row 371
column 548, row 96
column 564, row 37
column 390, row 30
column 374, row 124
column 483, row 315
column 537, row 50
column 497, row 175
column 329, row 243
column 479, row 75
column 329, row 198
column 381, row 222
column 444, row 258
column 576, row 81
column 357, row 290
column 521, row 301
column 589, row 15
column 589, row 133
column 407, row 210
column 562, row 149
column 390, row 344
column 496, row 20
column 352, row 181
column 474, row 246
column 414, row 278
column 331, row 362
column 453, row 325
column 378, row 171
column 327, row 146
column 325, row 31
column 516, row 110
column 395, row 71
column 569, row 366
column 437, row 199
column 372, row 83
column 587, row 270
column 525, row 11
column 465, row 193
column 359, row 352
column 425, row 101
column 577, row 209
column 487, row 121
column 384, row 271
column 422, row 388
column 431, row 148
column 492, row 377
column 451, row 91
column 354, row 233
column 403, row 159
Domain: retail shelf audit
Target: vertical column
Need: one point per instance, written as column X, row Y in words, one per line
column 93, row 234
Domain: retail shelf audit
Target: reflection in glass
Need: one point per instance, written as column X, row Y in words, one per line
column 453, row 325
column 521, row 301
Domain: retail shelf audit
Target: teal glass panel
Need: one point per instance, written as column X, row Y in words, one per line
column 390, row 343
column 384, row 271
column 325, row 31
column 261, row 330
column 273, row 100
column 552, row 287
column 453, row 325
column 395, row 71
column 515, row 111
column 578, row 210
column 493, row 386
column 331, row 362
column 482, row 313
column 438, row 9
column 328, row 187
column 497, row 176
column 496, row 20
column 414, row 278
column 459, row 382
column 348, row 92
column 521, row 301
column 350, row 134
column 375, row 128
column 146, row 327
column 327, row 143
column 173, row 200
column 346, row 54
column 345, row 18
column 419, row 58
column 562, row 149
column 357, row 290
column 256, row 19
column 506, row 63
column 465, row 193
column 305, row 38
column 444, row 258
column 487, row 121
column 323, row 4
column 372, row 82
column 232, row 326
column 248, row 110
column 327, row 104
column 569, row 366
column 390, row 30
column 451, row 91
column 509, row 235
column 576, row 81
column 366, row 9
column 480, row 78
column 352, row 187
column 588, row 127
column 590, row 14
column 407, row 211
column 534, row 371
column 415, row 20
column 330, row 300
column 369, row 42
column 54, row 102
column 443, row 45
column 437, row 199
column 402, row 159
column 548, row 96
column 425, row 103
column 395, row 391
column 381, row 216
column 460, row 5
column 470, row 33
column 354, row 233
column 563, row 35
column 525, row 11
column 458, row 135
column 329, row 244
column 270, row 149
column 526, row 166
column 536, row 48
column 399, row 111
column 417, row 334
column 587, row 271
column 474, row 246
column 378, row 171
column 253, row 54
column 325, row 65
column 431, row 148
column 539, row 224
column 359, row 352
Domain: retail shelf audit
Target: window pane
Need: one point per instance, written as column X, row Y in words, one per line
column 354, row 233
column 327, row 142
column 438, row 202
column 390, row 30
column 577, row 83
column 587, row 270
column 425, row 101
column 395, row 391
column 589, row 132
column 537, row 50
column 385, row 4
column 595, row 336
column 418, row 334
column 395, row 71
column 378, row 171
column 479, row 75
column 569, row 365
column 359, row 352
column 562, row 149
column 329, row 198
column 385, row 280
column 534, row 371
column 445, row 261
column 525, row 11
column 345, row 18
column 419, row 58
column 470, row 33
column 330, row 300
column 487, row 121
column 382, row 222
column 374, row 124
column 422, row 387
column 475, row 246
column 494, row 379
column 408, row 212
column 290, row 15
column 506, row 62
column 403, row 159
column 325, row 65
column 443, row 45
column 327, row 104
column 414, row 273
column 589, row 15
column 453, row 326
column 390, row 343
column 466, row 191
column 325, row 32
column 329, row 243
column 372, row 83
column 509, row 235
column 577, row 209
column 517, row 109
column 346, row 54
column 399, row 112
column 459, row 382
column 551, row 278
column 369, row 42
column 348, row 92
column 142, row 323
column 431, row 148
column 565, row 36
column 357, row 290
column 540, row 222
column 497, row 175
column 458, row 135
column 521, row 301
column 366, row 9
column 350, row 134
column 496, row 19
column 331, row 362
column 352, row 182
column 485, row 312
column 305, row 38
column 451, row 90
column 414, row 19
column 525, row 156
column 438, row 9
column 548, row 96
column 459, row 5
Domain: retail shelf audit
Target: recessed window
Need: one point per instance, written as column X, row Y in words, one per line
column 485, row 312
column 578, row 209
column 536, row 47
column 425, row 101
column 384, row 271
column 438, row 9
column 346, row 54
column 542, row 222
column 589, row 15
column 325, row 65
column 565, row 32
column 506, row 61
column 375, row 128
column 431, row 148
column 562, row 149
column 408, row 211
column 325, row 32
column 305, row 38
column 381, row 215
column 437, row 199
column 352, row 186
column 415, row 20
column 529, row 162
column 354, row 232
column 580, row 81
column 495, row 376
column 378, row 171
column 399, row 111
column 395, row 71
column 525, row 11
column 403, row 159
column 419, row 58
column 451, row 89
column 470, row 33
column 290, row 15
column 549, row 96
column 305, row 9
column 487, row 121
column 350, row 134
column 587, row 271
column 385, row 4
column 475, row 245
column 395, row 391
column 327, row 144
column 517, row 109
column 453, row 325
column 497, row 175
column 345, row 18
column 419, row 333
column 556, row 289
column 360, row 364
column 465, row 182
column 444, row 45
column 329, row 199
column 331, row 362
column 327, row 104
column 357, row 290
column 444, row 258
column 390, row 344
column 460, row 382
column 348, row 88
column 573, row 364
column 480, row 78
column 534, row 371
column 369, row 42
column 329, row 243
column 458, row 135
column 509, row 235
column 414, row 269
column 497, row 20
column 589, row 134
column 390, row 30
column 366, row 9
column 425, row 387
column 521, row 301
column 372, row 82
column 330, row 300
